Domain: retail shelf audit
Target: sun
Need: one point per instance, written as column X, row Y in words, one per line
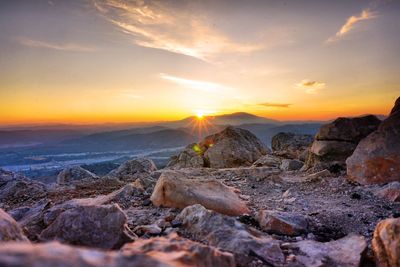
column 200, row 115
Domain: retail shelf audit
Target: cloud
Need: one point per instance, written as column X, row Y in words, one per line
column 366, row 14
column 310, row 86
column 62, row 47
column 274, row 105
column 194, row 84
column 155, row 24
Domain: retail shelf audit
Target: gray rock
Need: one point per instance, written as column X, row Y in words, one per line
column 290, row 145
column 133, row 169
column 268, row 161
column 291, row 165
column 9, row 228
column 72, row 174
column 345, row 252
column 229, row 234
column 21, row 189
column 102, row 226
column 190, row 157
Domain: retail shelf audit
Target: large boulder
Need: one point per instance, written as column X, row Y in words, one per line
column 102, row 226
column 229, row 234
column 190, row 157
column 72, row 174
column 179, row 251
column 232, row 147
column 9, row 228
column 376, row 159
column 178, row 190
column 347, row 251
column 291, row 145
column 336, row 141
column 133, row 169
column 54, row 254
column 386, row 243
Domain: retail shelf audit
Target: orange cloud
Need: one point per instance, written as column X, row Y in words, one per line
column 310, row 86
column 275, row 105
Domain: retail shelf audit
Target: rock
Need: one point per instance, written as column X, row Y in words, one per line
column 317, row 176
column 282, row 223
column 74, row 173
column 54, row 254
column 290, row 145
column 178, row 251
column 376, row 160
column 346, row 252
column 190, row 157
column 7, row 176
column 336, row 141
column 229, row 234
column 390, row 192
column 32, row 219
column 291, row 165
column 133, row 169
column 386, row 243
column 178, row 190
column 21, row 189
column 9, row 228
column 102, row 226
column 232, row 147
column 148, row 229
column 268, row 161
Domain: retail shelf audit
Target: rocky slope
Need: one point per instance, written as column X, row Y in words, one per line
column 227, row 202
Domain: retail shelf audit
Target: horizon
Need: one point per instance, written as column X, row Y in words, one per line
column 90, row 62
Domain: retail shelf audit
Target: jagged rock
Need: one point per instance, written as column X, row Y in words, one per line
column 32, row 220
column 178, row 190
column 390, row 192
column 20, row 189
column 229, row 234
column 74, row 173
column 291, row 165
column 133, row 169
column 97, row 226
column 336, row 141
column 268, row 161
column 190, row 157
column 232, row 147
column 179, row 251
column 290, row 145
column 9, row 228
column 7, row 176
column 376, row 159
column 54, row 254
column 386, row 243
column 346, row 252
column 282, row 223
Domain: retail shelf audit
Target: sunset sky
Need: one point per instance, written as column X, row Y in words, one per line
column 91, row 61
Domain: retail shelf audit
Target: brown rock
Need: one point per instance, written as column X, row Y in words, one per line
column 177, row 251
column 386, row 243
column 376, row 159
column 345, row 252
column 97, row 226
column 54, row 254
column 9, row 228
column 229, row 234
column 178, row 190
column 390, row 192
column 282, row 223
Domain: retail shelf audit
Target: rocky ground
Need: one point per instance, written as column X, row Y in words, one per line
column 227, row 201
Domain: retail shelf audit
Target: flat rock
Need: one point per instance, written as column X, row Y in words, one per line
column 376, row 160
column 178, row 190
column 72, row 174
column 386, row 243
column 178, row 251
column 54, row 254
column 103, row 226
column 229, row 234
column 282, row 223
column 345, row 252
column 9, row 228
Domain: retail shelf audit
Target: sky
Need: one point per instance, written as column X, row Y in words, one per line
column 94, row 61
